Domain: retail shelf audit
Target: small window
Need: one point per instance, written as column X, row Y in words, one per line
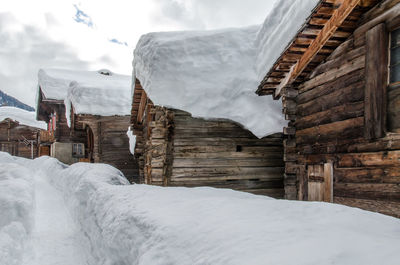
column 395, row 56
column 78, row 150
column 393, row 93
column 239, row 148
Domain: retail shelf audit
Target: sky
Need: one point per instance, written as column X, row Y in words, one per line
column 98, row 34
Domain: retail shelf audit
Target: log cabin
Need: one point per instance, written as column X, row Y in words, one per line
column 174, row 148
column 339, row 82
column 99, row 106
column 59, row 140
column 19, row 132
column 196, row 118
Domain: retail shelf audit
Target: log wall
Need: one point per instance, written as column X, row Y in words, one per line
column 111, row 144
column 220, row 153
column 12, row 136
column 339, row 116
column 175, row 149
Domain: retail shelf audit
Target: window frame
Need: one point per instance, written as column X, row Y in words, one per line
column 392, row 25
column 396, row 84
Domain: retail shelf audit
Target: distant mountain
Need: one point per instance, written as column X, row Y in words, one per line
column 6, row 100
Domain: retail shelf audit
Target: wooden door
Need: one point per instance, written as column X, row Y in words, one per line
column 320, row 182
column 44, row 150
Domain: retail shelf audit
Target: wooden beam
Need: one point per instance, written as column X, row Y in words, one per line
column 338, row 17
column 142, row 106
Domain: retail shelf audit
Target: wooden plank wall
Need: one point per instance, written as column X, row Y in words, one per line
column 220, row 153
column 176, row 149
column 11, row 135
column 333, row 122
column 111, row 144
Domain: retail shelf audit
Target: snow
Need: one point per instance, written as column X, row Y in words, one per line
column 22, row 116
column 99, row 94
column 213, row 74
column 89, row 214
column 278, row 30
column 104, row 220
column 132, row 140
column 54, row 83
column 210, row 74
column 90, row 92
column 55, row 230
column 16, row 208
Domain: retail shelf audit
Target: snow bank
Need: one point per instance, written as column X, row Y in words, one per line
column 140, row 224
column 148, row 225
column 90, row 92
column 16, row 208
column 279, row 28
column 22, row 116
column 210, row 74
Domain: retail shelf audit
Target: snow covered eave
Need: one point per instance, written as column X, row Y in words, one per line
column 210, row 74
column 288, row 68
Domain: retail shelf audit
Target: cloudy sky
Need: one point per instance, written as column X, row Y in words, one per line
column 95, row 34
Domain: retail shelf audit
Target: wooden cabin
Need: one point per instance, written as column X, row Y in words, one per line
column 19, row 132
column 339, row 81
column 175, row 149
column 59, row 140
column 107, row 141
column 98, row 104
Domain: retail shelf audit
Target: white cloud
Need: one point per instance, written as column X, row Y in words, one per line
column 45, row 33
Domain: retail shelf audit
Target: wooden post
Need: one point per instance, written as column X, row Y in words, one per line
column 328, row 179
column 376, row 74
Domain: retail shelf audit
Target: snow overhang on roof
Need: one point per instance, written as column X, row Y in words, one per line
column 304, row 34
column 100, row 92
column 21, row 116
column 210, row 74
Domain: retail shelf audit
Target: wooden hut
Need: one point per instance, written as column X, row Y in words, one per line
column 59, row 140
column 339, row 80
column 175, row 149
column 99, row 106
column 19, row 132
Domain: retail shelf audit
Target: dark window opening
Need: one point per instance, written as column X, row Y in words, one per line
column 239, row 148
column 393, row 92
column 395, row 56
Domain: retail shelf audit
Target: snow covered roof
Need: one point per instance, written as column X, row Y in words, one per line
column 90, row 92
column 54, row 83
column 278, row 30
column 100, row 93
column 210, row 74
column 22, row 116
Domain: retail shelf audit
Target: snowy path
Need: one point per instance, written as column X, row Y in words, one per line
column 56, row 238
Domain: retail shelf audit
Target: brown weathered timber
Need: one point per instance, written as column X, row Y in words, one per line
column 376, row 73
column 175, row 149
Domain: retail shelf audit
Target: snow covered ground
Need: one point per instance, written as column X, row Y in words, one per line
column 104, row 220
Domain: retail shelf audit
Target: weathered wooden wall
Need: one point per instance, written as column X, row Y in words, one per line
column 12, row 136
column 175, row 149
column 339, row 116
column 111, row 144
column 220, row 153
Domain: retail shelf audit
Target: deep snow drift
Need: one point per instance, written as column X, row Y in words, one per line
column 24, row 117
column 139, row 224
column 210, row 74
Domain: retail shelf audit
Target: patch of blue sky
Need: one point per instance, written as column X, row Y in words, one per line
column 82, row 17
column 118, row 42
